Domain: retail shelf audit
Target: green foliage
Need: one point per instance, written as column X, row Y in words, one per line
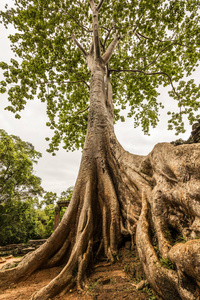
column 49, row 200
column 66, row 195
column 22, row 215
column 167, row 263
column 174, row 236
column 17, row 157
column 181, row 239
column 49, row 212
column 19, row 189
column 21, row 221
column 160, row 47
column 18, row 222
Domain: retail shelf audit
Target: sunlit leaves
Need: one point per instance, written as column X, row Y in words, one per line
column 160, row 38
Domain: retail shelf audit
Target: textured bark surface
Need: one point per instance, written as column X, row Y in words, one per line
column 153, row 200
column 168, row 229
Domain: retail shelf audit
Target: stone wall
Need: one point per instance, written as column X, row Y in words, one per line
column 20, row 249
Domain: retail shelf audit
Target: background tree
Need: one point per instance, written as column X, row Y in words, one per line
column 20, row 221
column 50, row 201
column 70, row 55
column 19, row 189
column 17, row 181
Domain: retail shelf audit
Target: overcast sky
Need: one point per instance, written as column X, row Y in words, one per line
column 59, row 172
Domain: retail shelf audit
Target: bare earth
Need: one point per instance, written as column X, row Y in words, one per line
column 107, row 281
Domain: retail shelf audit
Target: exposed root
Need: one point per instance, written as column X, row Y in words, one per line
column 170, row 215
column 116, row 195
column 162, row 280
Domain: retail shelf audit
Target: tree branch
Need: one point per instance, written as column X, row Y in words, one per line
column 100, row 5
column 97, row 51
column 152, row 62
column 103, row 27
column 102, row 45
column 79, row 45
column 91, row 49
column 151, row 73
column 108, row 34
column 81, row 111
column 80, row 25
column 162, row 41
column 50, row 82
column 107, row 55
column 78, row 75
column 92, row 4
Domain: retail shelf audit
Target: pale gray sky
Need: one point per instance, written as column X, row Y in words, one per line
column 59, row 172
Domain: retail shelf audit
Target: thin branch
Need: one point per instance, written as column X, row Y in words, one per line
column 130, row 57
column 78, row 75
column 151, row 73
column 100, row 5
column 152, row 62
column 64, row 81
column 162, row 41
column 147, row 38
column 107, row 55
column 137, row 35
column 79, row 45
column 81, row 111
column 79, row 24
column 108, row 34
column 105, row 28
column 102, row 45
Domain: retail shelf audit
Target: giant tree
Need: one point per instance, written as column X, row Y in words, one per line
column 88, row 60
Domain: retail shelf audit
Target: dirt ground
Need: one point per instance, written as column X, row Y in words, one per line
column 122, row 280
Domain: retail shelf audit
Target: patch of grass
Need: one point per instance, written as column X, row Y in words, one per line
column 167, row 263
column 174, row 236
column 130, row 268
column 126, row 268
column 117, row 256
column 92, row 287
column 132, row 254
column 150, row 292
column 181, row 239
column 11, row 285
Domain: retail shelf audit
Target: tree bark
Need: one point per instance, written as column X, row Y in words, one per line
column 118, row 194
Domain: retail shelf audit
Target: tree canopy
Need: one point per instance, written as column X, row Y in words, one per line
column 19, row 191
column 17, row 179
column 159, row 46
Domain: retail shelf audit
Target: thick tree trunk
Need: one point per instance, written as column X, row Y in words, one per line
column 115, row 194
column 105, row 204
